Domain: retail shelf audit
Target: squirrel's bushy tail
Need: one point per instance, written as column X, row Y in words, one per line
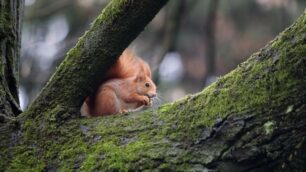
column 128, row 65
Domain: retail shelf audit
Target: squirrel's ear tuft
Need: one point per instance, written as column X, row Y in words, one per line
column 139, row 78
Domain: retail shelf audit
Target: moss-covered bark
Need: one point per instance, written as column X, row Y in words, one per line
column 253, row 119
column 10, row 27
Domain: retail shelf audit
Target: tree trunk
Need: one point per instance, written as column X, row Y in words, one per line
column 10, row 27
column 252, row 119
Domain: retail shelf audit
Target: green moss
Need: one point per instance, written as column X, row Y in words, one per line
column 26, row 160
column 75, row 52
column 90, row 163
column 71, row 154
column 165, row 108
column 5, row 22
column 112, row 10
column 114, row 156
column 165, row 167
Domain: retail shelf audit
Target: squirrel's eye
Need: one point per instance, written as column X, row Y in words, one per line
column 147, row 85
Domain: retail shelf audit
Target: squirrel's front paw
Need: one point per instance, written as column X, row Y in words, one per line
column 145, row 101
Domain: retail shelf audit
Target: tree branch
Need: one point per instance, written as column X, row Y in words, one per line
column 253, row 119
column 10, row 36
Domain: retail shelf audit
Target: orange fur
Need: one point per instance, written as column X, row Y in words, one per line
column 128, row 86
column 128, row 65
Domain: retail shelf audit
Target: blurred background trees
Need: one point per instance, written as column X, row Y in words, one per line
column 188, row 45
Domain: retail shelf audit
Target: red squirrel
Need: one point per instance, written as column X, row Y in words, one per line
column 128, row 86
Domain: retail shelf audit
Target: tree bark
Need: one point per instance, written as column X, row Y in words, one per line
column 253, row 119
column 10, row 29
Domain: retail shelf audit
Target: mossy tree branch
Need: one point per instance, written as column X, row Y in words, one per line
column 252, row 119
